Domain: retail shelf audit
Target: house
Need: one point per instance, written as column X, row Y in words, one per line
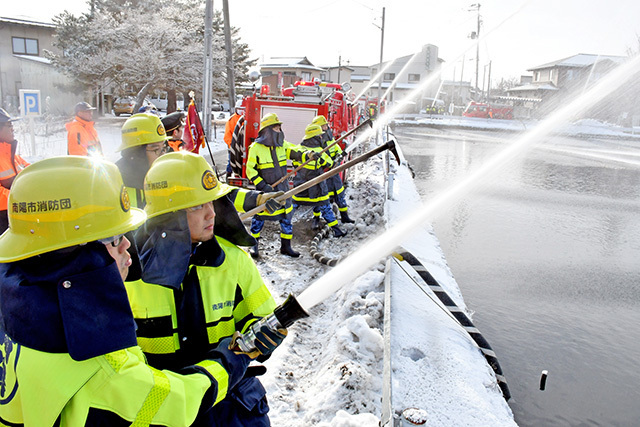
column 403, row 75
column 24, row 66
column 282, row 72
column 553, row 83
column 339, row 74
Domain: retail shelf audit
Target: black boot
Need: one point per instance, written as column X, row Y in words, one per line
column 344, row 217
column 315, row 224
column 337, row 232
column 285, row 248
column 254, row 250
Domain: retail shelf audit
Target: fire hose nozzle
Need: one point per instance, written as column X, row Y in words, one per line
column 283, row 316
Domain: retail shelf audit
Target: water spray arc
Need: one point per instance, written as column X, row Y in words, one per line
column 395, row 80
column 369, row 254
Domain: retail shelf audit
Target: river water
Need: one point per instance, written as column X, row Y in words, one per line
column 546, row 253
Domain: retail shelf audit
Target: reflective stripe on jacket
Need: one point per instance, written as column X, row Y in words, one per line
column 177, row 327
column 82, row 138
column 266, row 165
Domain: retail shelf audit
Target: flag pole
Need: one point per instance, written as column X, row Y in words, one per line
column 206, row 140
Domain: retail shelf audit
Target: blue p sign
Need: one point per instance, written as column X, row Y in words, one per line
column 30, row 102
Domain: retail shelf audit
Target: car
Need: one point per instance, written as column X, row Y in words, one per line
column 216, row 105
column 124, row 105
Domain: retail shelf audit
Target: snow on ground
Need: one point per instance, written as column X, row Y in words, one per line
column 585, row 127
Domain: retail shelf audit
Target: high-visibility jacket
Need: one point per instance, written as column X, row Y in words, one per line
column 82, row 138
column 266, row 165
column 69, row 356
column 10, row 165
column 334, row 183
column 229, row 127
column 221, row 293
column 317, row 194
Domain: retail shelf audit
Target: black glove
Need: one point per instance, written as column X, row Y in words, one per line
column 264, row 187
column 268, row 339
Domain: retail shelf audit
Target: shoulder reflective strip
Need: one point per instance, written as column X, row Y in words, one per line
column 162, row 345
column 221, row 376
column 251, row 302
column 153, row 401
column 7, row 173
column 221, row 330
column 117, row 359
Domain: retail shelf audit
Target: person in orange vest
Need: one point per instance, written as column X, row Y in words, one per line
column 10, row 165
column 174, row 127
column 228, row 132
column 82, row 138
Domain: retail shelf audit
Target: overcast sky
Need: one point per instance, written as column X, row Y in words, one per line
column 516, row 34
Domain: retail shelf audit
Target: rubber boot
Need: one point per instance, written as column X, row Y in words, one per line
column 344, row 217
column 315, row 224
column 285, row 248
column 254, row 250
column 337, row 232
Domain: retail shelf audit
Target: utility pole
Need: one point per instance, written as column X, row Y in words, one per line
column 489, row 83
column 477, row 37
column 208, row 68
column 231, row 78
column 339, row 66
column 380, row 70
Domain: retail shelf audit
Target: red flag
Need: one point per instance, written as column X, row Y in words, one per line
column 193, row 133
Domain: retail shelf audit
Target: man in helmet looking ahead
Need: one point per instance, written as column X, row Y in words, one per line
column 266, row 164
column 68, row 341
column 198, row 287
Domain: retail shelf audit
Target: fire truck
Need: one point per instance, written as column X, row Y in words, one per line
column 488, row 111
column 296, row 107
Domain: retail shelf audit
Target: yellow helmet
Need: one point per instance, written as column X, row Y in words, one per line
column 311, row 131
column 319, row 120
column 269, row 120
column 65, row 201
column 142, row 129
column 180, row 180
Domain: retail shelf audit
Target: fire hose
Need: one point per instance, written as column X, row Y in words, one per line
column 316, row 254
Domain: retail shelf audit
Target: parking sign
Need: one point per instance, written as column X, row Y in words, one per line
column 30, row 102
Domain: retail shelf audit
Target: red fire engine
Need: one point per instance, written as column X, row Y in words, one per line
column 488, row 111
column 296, row 108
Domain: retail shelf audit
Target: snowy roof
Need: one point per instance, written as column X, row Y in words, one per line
column 40, row 59
column 290, row 62
column 26, row 22
column 580, row 61
column 532, row 86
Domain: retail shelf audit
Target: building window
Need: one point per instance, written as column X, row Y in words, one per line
column 25, row 46
column 306, row 76
column 414, row 78
column 389, row 77
column 323, row 77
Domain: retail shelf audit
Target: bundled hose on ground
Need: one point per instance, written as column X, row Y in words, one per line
column 316, row 254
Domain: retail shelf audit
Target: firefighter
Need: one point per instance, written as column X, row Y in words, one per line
column 228, row 132
column 82, row 138
column 198, row 287
column 266, row 164
column 334, row 183
column 68, row 350
column 174, row 127
column 10, row 163
column 318, row 195
column 143, row 141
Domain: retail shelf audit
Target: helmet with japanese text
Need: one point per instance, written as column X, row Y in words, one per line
column 66, row 201
column 142, row 129
column 180, row 180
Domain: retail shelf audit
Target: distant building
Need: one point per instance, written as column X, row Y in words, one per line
column 282, row 72
column 338, row 74
column 552, row 83
column 24, row 66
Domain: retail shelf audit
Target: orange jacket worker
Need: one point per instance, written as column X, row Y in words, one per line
column 82, row 138
column 10, row 164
